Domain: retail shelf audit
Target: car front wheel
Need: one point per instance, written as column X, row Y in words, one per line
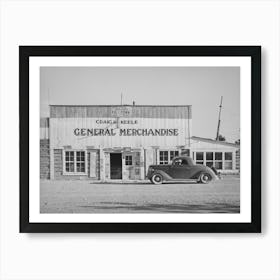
column 205, row 178
column 157, row 179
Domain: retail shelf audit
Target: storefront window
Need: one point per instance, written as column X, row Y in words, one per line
column 173, row 154
column 209, row 159
column 75, row 162
column 80, row 161
column 218, row 160
column 128, row 160
column 166, row 156
column 163, row 157
column 69, row 161
column 199, row 158
column 228, row 161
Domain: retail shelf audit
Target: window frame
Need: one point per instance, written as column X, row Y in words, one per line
column 168, row 155
column 228, row 160
column 125, row 160
column 75, row 162
column 222, row 160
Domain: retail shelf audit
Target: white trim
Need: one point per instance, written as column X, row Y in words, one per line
column 75, row 173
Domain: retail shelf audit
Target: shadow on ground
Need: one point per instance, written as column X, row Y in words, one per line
column 110, row 207
column 146, row 183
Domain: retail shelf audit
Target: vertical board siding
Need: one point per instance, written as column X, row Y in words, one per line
column 62, row 133
column 44, row 128
column 44, row 159
column 58, row 163
column 130, row 111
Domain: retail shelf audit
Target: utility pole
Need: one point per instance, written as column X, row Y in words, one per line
column 219, row 120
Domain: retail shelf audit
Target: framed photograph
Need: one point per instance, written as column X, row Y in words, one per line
column 140, row 139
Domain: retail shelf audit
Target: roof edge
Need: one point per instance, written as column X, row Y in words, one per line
column 124, row 105
column 215, row 141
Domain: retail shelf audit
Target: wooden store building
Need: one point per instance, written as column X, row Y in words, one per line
column 120, row 142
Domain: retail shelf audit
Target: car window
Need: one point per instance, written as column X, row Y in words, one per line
column 178, row 162
column 181, row 162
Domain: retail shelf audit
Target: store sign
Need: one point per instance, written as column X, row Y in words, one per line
column 125, row 132
column 121, row 111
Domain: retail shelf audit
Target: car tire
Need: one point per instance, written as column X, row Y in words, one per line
column 205, row 178
column 157, row 179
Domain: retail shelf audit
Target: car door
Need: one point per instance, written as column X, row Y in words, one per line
column 181, row 170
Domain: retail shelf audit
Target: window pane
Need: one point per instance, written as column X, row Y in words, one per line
column 199, row 162
column 218, row 165
column 218, row 156
column 199, row 156
column 83, row 167
column 82, row 156
column 80, row 161
column 71, row 156
column 173, row 154
column 71, row 167
column 163, row 155
column 209, row 156
column 78, row 166
column 228, row 165
column 228, row 156
column 69, row 159
column 209, row 163
column 128, row 160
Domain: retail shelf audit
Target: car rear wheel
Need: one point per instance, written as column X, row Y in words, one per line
column 157, row 179
column 205, row 178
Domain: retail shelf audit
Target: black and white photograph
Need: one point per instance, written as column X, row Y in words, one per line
column 140, row 140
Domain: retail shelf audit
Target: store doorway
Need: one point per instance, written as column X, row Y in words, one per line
column 116, row 165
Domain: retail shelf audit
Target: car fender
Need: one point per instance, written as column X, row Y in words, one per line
column 203, row 168
column 164, row 175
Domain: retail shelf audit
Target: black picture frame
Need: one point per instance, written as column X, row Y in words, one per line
column 25, row 52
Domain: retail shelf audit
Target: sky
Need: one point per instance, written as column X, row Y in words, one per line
column 201, row 87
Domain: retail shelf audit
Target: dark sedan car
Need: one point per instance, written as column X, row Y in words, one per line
column 182, row 169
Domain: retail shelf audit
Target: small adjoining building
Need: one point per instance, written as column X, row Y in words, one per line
column 224, row 156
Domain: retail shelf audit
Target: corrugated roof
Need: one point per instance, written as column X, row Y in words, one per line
column 124, row 111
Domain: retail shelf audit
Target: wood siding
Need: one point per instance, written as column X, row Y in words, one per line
column 62, row 133
column 127, row 111
column 44, row 128
column 44, row 159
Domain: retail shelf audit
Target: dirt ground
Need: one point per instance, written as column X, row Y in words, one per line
column 222, row 196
